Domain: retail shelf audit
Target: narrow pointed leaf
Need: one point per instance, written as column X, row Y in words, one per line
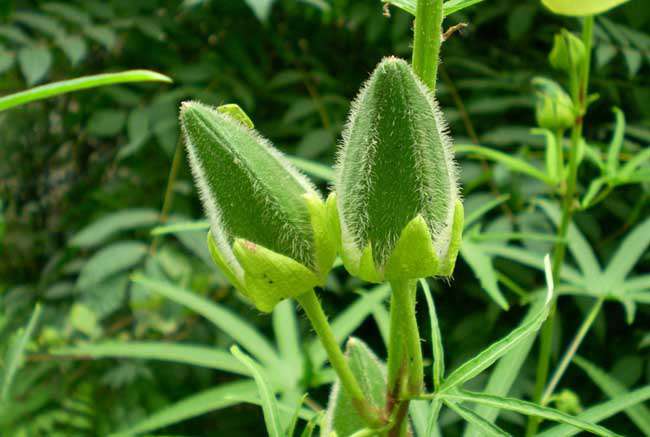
column 487, row 428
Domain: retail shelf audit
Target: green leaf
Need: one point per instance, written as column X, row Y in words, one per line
column 13, row 359
column 269, row 402
column 285, row 328
column 99, row 231
column 639, row 414
column 581, row 7
column 616, row 143
column 481, row 265
column 106, row 122
column 218, row 398
column 503, row 377
column 67, row 12
column 74, row 48
column 6, row 60
column 109, row 260
column 42, row 23
column 515, row 164
column 448, row 8
column 601, row 412
column 101, row 34
column 181, row 227
column 371, row 374
column 179, row 353
column 476, row 214
column 627, row 255
column 577, row 243
column 224, row 319
column 349, row 320
column 495, row 351
column 34, row 63
column 527, row 408
column 436, row 338
column 313, row 168
column 261, row 8
column 66, row 86
column 487, row 428
column 637, row 160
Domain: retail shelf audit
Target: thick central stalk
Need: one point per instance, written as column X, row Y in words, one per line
column 427, row 40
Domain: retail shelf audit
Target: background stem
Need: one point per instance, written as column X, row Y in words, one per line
column 579, row 96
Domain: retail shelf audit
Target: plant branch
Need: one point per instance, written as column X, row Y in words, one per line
column 312, row 307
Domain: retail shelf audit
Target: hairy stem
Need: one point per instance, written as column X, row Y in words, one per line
column 427, row 40
column 312, row 307
column 405, row 367
column 579, row 95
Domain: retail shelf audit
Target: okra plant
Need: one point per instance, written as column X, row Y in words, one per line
column 395, row 215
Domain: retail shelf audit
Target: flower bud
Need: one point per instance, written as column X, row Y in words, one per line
column 399, row 207
column 568, row 51
column 270, row 231
column 581, row 7
column 554, row 108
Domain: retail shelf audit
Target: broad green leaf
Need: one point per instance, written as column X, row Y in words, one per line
column 101, row 230
column 34, row 63
column 224, row 319
column 639, row 414
column 487, row 428
column 601, row 412
column 627, row 255
column 349, row 320
column 616, row 144
column 529, row 409
column 14, row 356
column 111, row 259
column 581, row 7
column 66, row 86
column 515, row 164
column 269, row 402
column 481, row 265
column 41, row 23
column 67, row 12
column 371, row 374
column 488, row 356
column 14, row 34
column 6, row 60
column 223, row 396
column 179, row 353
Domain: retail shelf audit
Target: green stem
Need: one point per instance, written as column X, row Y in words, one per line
column 405, row 366
column 559, row 141
column 579, row 95
column 427, row 40
column 312, row 307
column 571, row 351
column 169, row 191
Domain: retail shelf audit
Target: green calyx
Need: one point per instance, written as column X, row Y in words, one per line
column 568, row 52
column 554, row 108
column 267, row 221
column 396, row 183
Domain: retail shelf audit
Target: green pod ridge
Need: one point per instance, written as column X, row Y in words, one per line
column 396, row 163
column 266, row 219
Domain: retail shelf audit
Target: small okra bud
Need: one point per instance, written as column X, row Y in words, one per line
column 568, row 52
column 269, row 227
column 554, row 108
column 399, row 206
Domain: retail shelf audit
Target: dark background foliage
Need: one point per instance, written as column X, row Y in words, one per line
column 69, row 161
